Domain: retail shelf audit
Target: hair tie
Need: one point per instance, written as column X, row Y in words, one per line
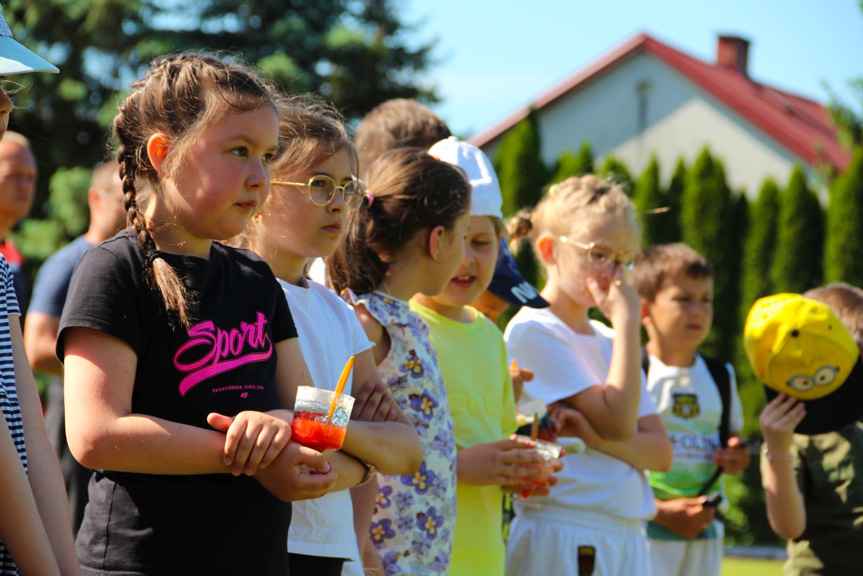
column 150, row 256
column 370, row 197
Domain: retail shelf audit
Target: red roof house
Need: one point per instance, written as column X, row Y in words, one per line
column 645, row 97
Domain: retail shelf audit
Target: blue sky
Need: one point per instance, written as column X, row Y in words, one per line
column 493, row 57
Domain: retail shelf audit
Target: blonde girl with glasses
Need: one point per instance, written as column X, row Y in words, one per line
column 585, row 235
column 314, row 188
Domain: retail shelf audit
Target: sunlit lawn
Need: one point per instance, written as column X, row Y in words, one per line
column 748, row 567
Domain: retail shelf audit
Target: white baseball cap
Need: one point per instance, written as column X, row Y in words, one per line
column 15, row 58
column 486, row 198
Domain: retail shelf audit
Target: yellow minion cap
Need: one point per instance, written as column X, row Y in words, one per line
column 798, row 346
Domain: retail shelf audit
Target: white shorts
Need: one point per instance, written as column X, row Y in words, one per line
column 542, row 544
column 352, row 568
column 686, row 558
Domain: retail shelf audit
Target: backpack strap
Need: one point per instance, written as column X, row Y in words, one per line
column 645, row 361
column 719, row 372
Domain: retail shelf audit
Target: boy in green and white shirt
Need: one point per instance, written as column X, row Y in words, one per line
column 676, row 287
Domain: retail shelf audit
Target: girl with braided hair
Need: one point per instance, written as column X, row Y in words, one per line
column 181, row 356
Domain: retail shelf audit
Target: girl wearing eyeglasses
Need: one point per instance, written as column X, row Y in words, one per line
column 313, row 188
column 585, row 236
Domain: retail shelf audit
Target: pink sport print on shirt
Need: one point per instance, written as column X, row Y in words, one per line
column 222, row 350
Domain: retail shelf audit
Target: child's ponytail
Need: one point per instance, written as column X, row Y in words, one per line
column 410, row 191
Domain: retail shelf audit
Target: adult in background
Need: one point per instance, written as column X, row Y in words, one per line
column 34, row 522
column 107, row 217
column 17, row 188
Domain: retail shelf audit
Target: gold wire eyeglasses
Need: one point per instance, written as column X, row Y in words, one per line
column 321, row 190
column 600, row 257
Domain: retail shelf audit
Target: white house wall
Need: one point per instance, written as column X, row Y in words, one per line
column 680, row 120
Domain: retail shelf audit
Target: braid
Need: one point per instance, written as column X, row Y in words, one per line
column 157, row 271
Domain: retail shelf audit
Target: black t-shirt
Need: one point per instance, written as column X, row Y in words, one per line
column 225, row 362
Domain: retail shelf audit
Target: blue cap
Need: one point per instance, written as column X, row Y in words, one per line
column 508, row 284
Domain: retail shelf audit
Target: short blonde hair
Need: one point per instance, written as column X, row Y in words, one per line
column 566, row 203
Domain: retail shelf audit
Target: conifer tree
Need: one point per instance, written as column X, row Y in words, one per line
column 522, row 177
column 797, row 260
column 519, row 166
column 671, row 230
column 843, row 248
column 648, row 198
column 759, row 246
column 616, row 171
column 570, row 164
column 708, row 214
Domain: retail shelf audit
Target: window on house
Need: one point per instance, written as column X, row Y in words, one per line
column 642, row 91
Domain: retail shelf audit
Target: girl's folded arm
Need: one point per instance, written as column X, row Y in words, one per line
column 103, row 432
column 648, row 449
column 393, row 447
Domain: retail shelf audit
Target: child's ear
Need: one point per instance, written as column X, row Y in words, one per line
column 645, row 312
column 157, row 150
column 434, row 241
column 545, row 247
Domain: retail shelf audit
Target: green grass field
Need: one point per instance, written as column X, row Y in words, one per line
column 747, row 567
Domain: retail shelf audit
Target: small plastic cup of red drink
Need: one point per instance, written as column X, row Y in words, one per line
column 312, row 425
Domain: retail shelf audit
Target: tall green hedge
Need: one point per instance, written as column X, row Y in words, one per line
column 569, row 164
column 648, row 198
column 797, row 260
column 843, row 248
column 671, row 230
column 708, row 226
column 616, row 171
column 519, row 166
column 522, row 176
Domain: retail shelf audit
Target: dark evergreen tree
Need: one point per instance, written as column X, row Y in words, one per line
column 843, row 249
column 355, row 53
column 708, row 214
column 649, row 200
column 616, row 171
column 671, row 228
column 797, row 261
column 760, row 246
column 519, row 166
column 522, row 176
column 570, row 164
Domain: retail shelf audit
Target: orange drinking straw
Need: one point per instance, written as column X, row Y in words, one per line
column 534, row 428
column 343, row 379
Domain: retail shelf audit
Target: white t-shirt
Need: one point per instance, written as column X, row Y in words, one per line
column 565, row 363
column 329, row 334
column 691, row 409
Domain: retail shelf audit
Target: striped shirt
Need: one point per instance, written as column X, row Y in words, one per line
column 8, row 393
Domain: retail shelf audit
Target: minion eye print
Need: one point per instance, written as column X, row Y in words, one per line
column 801, row 383
column 826, row 375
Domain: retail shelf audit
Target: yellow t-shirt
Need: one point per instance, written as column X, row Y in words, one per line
column 472, row 359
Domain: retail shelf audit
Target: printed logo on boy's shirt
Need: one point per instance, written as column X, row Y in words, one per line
column 685, row 406
column 693, row 447
column 218, row 351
